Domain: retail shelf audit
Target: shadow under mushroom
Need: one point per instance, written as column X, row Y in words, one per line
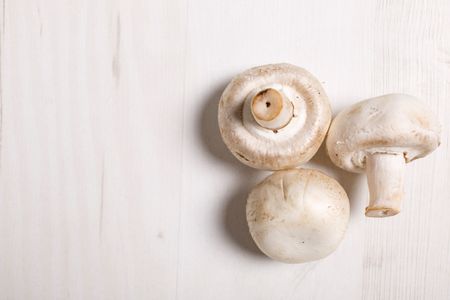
column 235, row 221
column 232, row 215
column 209, row 128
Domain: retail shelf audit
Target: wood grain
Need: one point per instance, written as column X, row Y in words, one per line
column 115, row 184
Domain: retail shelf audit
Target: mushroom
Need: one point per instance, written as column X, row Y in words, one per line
column 274, row 116
column 297, row 215
column 379, row 136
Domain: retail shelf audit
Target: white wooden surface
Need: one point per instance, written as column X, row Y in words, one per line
column 114, row 182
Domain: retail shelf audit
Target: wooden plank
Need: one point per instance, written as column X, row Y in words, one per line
column 407, row 257
column 224, row 39
column 91, row 149
column 114, row 181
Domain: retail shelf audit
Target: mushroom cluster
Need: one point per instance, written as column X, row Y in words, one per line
column 275, row 117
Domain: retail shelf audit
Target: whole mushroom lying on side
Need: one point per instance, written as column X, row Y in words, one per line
column 297, row 215
column 274, row 116
column 379, row 136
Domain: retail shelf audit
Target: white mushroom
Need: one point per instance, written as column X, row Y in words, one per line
column 274, row 116
column 379, row 136
column 297, row 215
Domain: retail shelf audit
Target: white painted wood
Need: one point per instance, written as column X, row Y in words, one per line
column 114, row 182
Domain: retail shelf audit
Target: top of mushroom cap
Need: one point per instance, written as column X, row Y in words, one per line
column 288, row 146
column 297, row 215
column 393, row 123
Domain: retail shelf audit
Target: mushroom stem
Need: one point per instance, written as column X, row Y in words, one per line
column 271, row 109
column 385, row 172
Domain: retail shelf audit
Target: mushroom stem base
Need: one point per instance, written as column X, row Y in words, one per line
column 385, row 173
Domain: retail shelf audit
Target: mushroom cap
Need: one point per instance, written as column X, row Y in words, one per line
column 393, row 123
column 289, row 146
column 298, row 215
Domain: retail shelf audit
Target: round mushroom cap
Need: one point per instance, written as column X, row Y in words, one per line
column 298, row 215
column 283, row 148
column 393, row 123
